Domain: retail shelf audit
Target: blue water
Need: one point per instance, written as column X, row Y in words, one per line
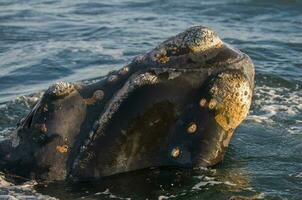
column 44, row 41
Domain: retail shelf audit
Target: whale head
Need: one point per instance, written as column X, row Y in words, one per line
column 178, row 105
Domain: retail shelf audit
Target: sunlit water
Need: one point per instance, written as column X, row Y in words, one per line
column 42, row 42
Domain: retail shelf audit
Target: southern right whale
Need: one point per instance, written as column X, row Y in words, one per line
column 178, row 105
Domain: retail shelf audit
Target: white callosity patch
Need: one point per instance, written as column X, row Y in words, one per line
column 199, row 39
column 60, row 89
column 195, row 39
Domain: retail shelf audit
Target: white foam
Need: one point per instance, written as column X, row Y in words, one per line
column 205, row 181
column 297, row 175
column 110, row 195
column 162, row 197
column 275, row 105
column 24, row 191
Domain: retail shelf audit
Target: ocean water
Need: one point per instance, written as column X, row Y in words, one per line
column 45, row 41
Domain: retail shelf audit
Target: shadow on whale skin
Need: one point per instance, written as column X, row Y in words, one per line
column 177, row 106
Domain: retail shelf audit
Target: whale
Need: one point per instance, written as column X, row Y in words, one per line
column 176, row 106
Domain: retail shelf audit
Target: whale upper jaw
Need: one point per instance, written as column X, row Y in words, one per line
column 197, row 49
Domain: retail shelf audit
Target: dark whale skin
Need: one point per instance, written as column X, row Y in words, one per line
column 177, row 105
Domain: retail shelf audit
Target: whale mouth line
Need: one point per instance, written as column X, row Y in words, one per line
column 226, row 54
column 202, row 66
column 172, row 69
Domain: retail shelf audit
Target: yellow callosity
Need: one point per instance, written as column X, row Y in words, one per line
column 162, row 58
column 62, row 149
column 232, row 94
column 212, row 104
column 97, row 96
column 218, row 45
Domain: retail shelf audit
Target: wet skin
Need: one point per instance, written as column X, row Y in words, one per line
column 177, row 105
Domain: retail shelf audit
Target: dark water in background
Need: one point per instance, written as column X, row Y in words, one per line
column 42, row 42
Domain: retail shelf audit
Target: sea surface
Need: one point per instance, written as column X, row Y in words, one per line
column 45, row 41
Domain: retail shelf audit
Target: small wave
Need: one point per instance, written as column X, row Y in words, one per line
column 297, row 129
column 32, row 52
column 13, row 111
column 90, row 46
